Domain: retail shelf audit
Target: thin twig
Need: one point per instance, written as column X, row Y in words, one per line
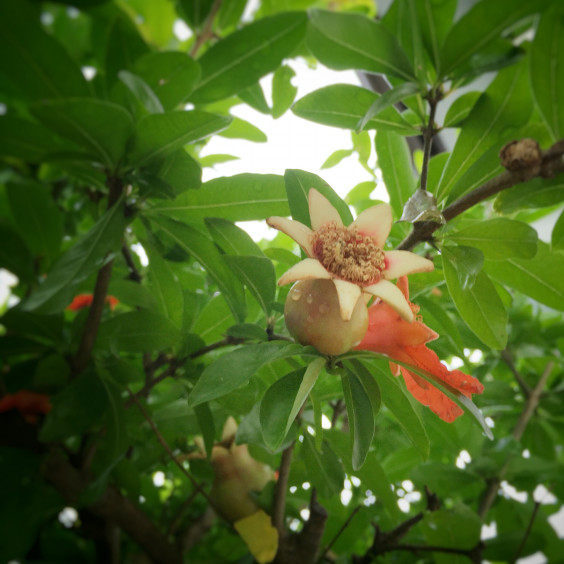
column 206, row 32
column 134, row 273
column 508, row 359
column 279, row 504
column 527, row 532
column 428, row 133
column 530, row 406
column 340, row 531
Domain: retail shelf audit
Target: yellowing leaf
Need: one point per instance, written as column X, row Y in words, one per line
column 259, row 535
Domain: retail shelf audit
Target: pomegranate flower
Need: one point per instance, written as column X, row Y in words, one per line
column 389, row 334
column 29, row 404
column 353, row 257
column 85, row 300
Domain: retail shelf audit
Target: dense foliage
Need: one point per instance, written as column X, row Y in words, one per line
column 158, row 410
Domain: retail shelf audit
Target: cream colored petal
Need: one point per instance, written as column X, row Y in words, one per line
column 321, row 210
column 375, row 222
column 393, row 296
column 348, row 296
column 307, row 269
column 399, row 263
column 298, row 231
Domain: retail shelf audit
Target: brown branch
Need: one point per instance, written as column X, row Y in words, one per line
column 508, row 359
column 134, row 273
column 279, row 505
column 428, row 133
column 207, row 31
column 111, row 505
column 90, row 331
column 550, row 165
column 340, row 531
column 474, row 553
column 527, row 532
column 530, row 406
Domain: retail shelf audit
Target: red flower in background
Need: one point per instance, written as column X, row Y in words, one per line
column 29, row 404
column 401, row 340
column 85, row 300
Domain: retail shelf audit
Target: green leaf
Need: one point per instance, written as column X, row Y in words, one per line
column 284, row 399
column 179, row 170
column 207, row 426
column 298, row 183
column 388, row 98
column 165, row 286
column 395, row 399
column 232, row 239
column 499, row 238
column 37, row 64
column 138, row 331
column 86, row 256
column 158, row 135
column 36, row 218
column 78, row 406
column 558, row 234
column 459, row 110
column 171, row 75
column 468, row 263
column 394, row 158
column 102, row 128
column 254, row 97
column 361, row 417
column 283, row 91
column 241, row 129
column 241, row 197
column 479, row 27
column 479, row 306
column 142, row 91
column 257, row 274
column 235, row 368
column 244, row 56
column 494, row 120
column 541, row 278
column 326, row 472
column 537, row 193
column 15, row 255
column 351, row 41
column 336, row 157
column 196, row 244
column 343, row 105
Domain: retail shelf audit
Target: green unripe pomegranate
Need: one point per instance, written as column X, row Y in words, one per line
column 313, row 317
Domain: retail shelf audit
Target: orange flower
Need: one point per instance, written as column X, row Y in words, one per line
column 29, row 404
column 85, row 300
column 389, row 334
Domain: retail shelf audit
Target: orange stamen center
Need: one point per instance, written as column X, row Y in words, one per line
column 347, row 254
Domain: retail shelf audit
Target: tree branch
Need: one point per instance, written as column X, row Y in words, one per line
column 134, row 273
column 527, row 532
column 206, row 32
column 279, row 504
column 530, row 406
column 551, row 164
column 428, row 133
column 340, row 531
column 508, row 359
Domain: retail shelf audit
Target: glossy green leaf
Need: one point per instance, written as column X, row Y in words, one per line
column 388, row 98
column 235, row 368
column 283, row 91
column 468, row 263
column 239, row 198
column 557, row 240
column 244, row 56
column 352, row 41
column 138, row 331
column 343, row 105
column 165, row 286
column 102, row 128
column 241, row 129
column 284, row 399
column 394, row 158
column 479, row 306
column 232, row 239
column 546, row 68
column 360, row 415
column 171, row 75
column 86, row 256
column 480, row 26
column 142, row 91
column 494, row 120
column 459, row 110
column 37, row 219
column 336, row 157
column 179, row 170
column 326, row 472
column 254, row 97
column 257, row 274
column 499, row 238
column 298, row 183
column 158, row 135
column 536, row 193
column 196, row 244
column 34, row 62
column 195, row 12
column 541, row 278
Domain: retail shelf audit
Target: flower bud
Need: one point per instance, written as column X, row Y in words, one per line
column 312, row 315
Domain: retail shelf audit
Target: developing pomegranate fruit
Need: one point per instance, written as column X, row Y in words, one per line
column 312, row 315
